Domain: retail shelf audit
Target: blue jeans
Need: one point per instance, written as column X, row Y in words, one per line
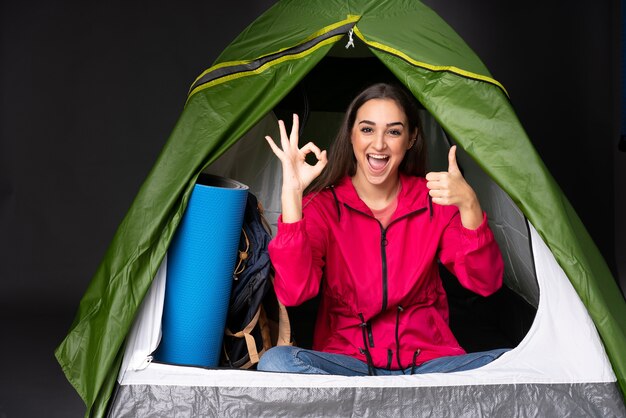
column 290, row 359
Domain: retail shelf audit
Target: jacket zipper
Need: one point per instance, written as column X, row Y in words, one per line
column 383, row 251
column 383, row 245
column 370, row 336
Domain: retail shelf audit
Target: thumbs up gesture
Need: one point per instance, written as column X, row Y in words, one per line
column 450, row 188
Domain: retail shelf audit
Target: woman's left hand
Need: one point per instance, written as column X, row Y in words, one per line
column 450, row 188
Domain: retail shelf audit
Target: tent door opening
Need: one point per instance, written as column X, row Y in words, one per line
column 479, row 323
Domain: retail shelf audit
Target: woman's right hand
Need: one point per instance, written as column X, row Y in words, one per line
column 297, row 173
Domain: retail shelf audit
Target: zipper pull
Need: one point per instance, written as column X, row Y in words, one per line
column 350, row 40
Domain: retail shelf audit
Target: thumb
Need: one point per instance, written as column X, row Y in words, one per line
column 452, row 165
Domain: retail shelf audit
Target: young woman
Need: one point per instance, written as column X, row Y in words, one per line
column 371, row 230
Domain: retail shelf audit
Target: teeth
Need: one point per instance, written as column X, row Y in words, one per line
column 379, row 157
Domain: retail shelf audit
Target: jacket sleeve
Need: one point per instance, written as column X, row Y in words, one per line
column 297, row 254
column 472, row 255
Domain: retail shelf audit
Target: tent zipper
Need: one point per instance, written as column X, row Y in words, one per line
column 226, row 70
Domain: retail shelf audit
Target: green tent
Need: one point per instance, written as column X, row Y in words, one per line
column 257, row 72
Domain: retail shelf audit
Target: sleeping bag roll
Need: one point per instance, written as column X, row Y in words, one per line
column 201, row 259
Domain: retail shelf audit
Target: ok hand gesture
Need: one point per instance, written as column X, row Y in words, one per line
column 297, row 173
column 450, row 188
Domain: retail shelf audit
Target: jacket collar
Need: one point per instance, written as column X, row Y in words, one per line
column 413, row 195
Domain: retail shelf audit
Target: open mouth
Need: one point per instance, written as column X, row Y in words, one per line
column 377, row 162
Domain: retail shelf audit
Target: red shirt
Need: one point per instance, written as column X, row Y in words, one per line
column 384, row 215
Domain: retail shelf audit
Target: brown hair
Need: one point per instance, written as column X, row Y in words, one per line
column 341, row 159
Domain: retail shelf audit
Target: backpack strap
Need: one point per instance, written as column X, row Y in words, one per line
column 250, row 342
column 284, row 325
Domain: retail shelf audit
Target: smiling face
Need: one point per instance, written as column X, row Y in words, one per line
column 380, row 138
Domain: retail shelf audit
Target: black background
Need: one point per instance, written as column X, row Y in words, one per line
column 91, row 91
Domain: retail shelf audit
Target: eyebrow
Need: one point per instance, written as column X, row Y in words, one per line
column 369, row 122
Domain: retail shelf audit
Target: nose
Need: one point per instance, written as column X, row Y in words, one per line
column 379, row 142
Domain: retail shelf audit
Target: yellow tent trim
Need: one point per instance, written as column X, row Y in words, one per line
column 324, row 30
column 430, row 67
column 265, row 66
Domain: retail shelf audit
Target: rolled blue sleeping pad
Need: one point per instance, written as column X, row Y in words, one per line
column 200, row 263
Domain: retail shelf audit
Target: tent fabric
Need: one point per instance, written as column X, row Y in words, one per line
column 454, row 86
column 597, row 400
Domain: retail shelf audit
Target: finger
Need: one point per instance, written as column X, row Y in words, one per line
column 438, row 193
column 433, row 185
column 433, row 176
column 322, row 160
column 311, row 147
column 442, row 197
column 452, row 164
column 284, row 139
column 323, row 157
column 295, row 129
column 436, row 176
column 441, row 201
column 273, row 146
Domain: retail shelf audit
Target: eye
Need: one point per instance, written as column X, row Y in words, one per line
column 366, row 129
column 395, row 132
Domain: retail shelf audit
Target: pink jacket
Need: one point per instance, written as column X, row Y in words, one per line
column 382, row 297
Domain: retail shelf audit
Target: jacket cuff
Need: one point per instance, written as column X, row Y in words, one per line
column 290, row 227
column 480, row 231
